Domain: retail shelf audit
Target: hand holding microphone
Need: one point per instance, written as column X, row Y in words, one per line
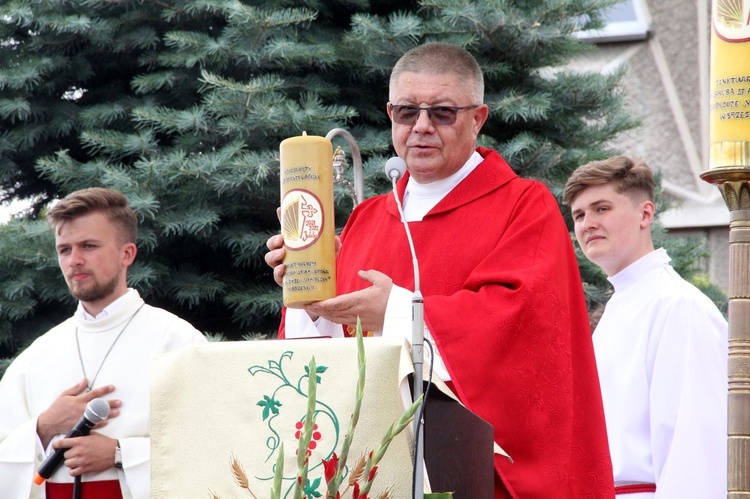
column 96, row 411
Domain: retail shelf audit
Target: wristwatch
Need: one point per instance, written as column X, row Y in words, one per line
column 118, row 456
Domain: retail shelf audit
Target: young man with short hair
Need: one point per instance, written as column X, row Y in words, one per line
column 661, row 344
column 103, row 351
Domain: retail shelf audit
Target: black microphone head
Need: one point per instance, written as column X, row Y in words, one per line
column 97, row 411
column 395, row 168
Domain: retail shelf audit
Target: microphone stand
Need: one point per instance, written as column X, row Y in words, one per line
column 417, row 348
column 77, row 487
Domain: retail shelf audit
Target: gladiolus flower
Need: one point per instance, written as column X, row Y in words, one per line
column 330, row 467
column 372, row 474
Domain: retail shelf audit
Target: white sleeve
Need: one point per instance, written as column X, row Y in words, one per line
column 21, row 451
column 688, row 398
column 398, row 323
column 135, row 475
column 297, row 324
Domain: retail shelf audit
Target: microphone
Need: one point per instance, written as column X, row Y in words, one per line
column 395, row 168
column 96, row 411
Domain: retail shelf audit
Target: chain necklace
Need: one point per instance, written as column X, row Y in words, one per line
column 80, row 357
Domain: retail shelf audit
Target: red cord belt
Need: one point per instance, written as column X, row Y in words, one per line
column 634, row 488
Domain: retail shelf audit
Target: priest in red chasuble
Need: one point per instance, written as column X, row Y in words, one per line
column 503, row 300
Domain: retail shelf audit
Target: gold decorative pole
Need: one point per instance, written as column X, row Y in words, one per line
column 729, row 170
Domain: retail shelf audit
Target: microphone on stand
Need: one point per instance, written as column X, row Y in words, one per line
column 96, row 411
column 395, row 168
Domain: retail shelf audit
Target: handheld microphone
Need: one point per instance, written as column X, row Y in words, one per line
column 395, row 168
column 96, row 411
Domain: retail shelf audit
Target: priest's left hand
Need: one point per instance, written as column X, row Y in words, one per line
column 88, row 454
column 368, row 304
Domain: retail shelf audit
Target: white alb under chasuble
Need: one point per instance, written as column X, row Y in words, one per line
column 221, row 407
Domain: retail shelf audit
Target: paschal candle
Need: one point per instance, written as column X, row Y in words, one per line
column 307, row 220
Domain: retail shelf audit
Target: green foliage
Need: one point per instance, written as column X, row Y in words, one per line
column 715, row 293
column 182, row 105
column 688, row 256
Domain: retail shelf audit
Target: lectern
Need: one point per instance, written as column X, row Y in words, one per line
column 458, row 449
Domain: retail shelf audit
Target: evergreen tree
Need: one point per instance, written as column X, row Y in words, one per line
column 182, row 105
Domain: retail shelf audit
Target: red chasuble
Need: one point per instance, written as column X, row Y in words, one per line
column 504, row 303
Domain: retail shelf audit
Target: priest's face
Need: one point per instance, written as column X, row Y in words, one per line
column 432, row 150
column 93, row 259
column 613, row 229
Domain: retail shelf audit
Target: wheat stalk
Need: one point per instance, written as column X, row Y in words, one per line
column 386, row 494
column 239, row 475
column 358, row 469
column 356, row 474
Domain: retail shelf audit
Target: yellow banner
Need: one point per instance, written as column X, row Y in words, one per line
column 730, row 84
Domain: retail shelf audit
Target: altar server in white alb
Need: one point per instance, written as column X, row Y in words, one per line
column 661, row 344
column 103, row 351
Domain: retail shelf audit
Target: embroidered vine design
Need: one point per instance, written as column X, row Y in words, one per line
column 334, row 467
column 272, row 404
